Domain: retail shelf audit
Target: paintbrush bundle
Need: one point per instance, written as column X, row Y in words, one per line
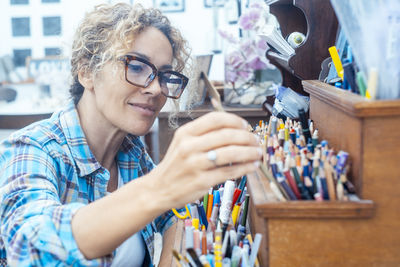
column 216, row 233
column 300, row 167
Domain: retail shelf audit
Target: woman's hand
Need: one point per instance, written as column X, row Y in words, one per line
column 188, row 171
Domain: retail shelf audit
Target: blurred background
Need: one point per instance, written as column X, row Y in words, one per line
column 37, row 36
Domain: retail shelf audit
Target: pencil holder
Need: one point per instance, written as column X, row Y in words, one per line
column 355, row 233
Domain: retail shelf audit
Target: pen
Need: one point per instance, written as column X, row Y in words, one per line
column 304, row 124
column 336, row 61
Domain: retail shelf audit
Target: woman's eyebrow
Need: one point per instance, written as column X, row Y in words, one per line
column 163, row 67
column 140, row 55
column 166, row 67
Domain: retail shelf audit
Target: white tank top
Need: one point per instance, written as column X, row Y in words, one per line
column 131, row 253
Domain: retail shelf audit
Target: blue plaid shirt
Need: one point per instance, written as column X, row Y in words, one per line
column 47, row 172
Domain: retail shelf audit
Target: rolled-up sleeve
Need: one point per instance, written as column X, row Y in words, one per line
column 35, row 225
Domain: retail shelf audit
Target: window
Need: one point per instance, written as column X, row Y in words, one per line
column 52, row 51
column 20, row 56
column 20, row 27
column 50, row 1
column 51, row 26
column 19, row 2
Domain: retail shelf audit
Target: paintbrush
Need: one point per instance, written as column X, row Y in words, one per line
column 217, row 105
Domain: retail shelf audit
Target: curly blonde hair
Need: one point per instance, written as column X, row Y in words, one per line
column 109, row 31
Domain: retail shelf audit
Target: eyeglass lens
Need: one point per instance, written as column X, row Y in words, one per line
column 142, row 74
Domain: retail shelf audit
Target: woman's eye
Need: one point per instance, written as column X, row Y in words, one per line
column 135, row 68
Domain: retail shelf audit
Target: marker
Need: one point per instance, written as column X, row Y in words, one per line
column 245, row 210
column 205, row 202
column 196, row 241
column 256, row 263
column 218, row 248
column 236, row 195
column 214, row 214
column 372, row 84
column 360, row 80
column 235, row 213
column 226, row 204
column 189, row 233
column 210, row 203
column 254, row 249
column 336, row 61
column 236, row 254
column 304, row 124
column 349, row 75
column 202, row 215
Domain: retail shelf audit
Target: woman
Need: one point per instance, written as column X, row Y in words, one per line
column 69, row 193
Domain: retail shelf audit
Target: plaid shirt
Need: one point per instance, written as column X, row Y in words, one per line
column 47, row 172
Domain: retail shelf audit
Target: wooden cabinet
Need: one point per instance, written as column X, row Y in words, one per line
column 364, row 233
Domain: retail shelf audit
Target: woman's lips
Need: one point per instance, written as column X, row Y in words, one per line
column 144, row 109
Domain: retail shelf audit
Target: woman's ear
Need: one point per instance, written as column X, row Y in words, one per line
column 86, row 79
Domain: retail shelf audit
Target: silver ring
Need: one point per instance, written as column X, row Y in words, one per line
column 212, row 156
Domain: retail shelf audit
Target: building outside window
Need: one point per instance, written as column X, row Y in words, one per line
column 20, row 27
column 51, row 26
column 20, row 56
column 19, row 2
column 52, row 51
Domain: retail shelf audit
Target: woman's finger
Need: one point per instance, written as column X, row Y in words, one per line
column 219, row 175
column 224, row 137
column 229, row 155
column 212, row 121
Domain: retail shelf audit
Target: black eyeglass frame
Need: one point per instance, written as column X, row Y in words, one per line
column 127, row 58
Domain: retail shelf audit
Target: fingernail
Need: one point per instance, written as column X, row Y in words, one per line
column 257, row 138
column 256, row 163
column 259, row 150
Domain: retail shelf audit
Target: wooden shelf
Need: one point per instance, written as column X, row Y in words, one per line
column 267, row 208
column 350, row 103
column 361, row 233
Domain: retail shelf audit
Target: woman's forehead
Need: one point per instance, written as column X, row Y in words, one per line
column 154, row 46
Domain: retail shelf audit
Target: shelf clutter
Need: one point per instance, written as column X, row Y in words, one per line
column 329, row 233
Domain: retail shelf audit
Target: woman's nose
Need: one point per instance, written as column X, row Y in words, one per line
column 154, row 87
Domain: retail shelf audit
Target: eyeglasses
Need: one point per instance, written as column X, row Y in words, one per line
column 140, row 72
